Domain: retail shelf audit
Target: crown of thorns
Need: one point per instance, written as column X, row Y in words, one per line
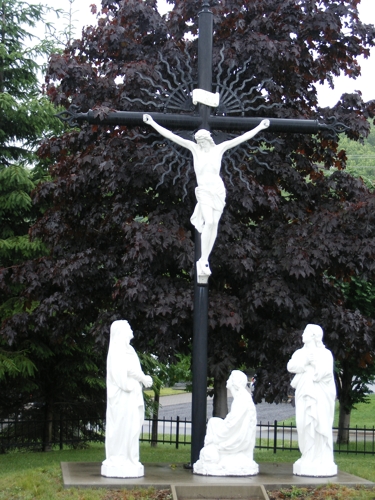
column 203, row 134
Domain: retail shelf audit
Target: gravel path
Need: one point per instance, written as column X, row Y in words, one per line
column 180, row 405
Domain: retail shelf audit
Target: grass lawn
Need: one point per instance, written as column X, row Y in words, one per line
column 166, row 391
column 37, row 476
column 363, row 415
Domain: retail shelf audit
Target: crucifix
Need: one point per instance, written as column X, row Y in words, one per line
column 206, row 215
column 210, row 192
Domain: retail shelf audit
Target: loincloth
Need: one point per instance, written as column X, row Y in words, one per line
column 214, row 199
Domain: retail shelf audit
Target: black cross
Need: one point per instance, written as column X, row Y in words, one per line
column 203, row 120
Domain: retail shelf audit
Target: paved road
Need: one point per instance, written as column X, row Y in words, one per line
column 180, row 405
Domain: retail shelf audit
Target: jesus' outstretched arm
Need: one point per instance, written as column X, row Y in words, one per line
column 244, row 137
column 168, row 134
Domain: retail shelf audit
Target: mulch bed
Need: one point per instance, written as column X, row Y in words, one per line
column 328, row 492
column 142, row 494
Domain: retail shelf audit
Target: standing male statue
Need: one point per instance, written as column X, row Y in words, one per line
column 210, row 192
column 125, row 406
column 315, row 404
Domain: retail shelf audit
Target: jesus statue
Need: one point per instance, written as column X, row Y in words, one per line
column 210, row 192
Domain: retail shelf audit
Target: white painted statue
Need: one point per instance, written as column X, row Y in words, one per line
column 210, row 192
column 125, row 406
column 229, row 443
column 315, row 404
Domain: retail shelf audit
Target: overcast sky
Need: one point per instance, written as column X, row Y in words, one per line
column 327, row 97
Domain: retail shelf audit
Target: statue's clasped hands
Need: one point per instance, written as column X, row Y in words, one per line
column 147, row 381
column 311, row 358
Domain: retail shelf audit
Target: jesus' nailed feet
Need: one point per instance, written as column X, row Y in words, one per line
column 203, row 272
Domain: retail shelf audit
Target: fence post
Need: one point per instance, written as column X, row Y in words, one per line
column 274, row 436
column 61, row 430
column 177, row 431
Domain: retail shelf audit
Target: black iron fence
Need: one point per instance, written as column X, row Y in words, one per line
column 16, row 433
column 168, row 431
column 278, row 436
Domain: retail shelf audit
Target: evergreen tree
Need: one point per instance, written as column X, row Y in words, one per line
column 26, row 116
column 59, row 375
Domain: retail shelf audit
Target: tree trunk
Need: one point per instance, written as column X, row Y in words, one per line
column 3, row 42
column 155, row 415
column 344, row 423
column 220, row 403
column 344, row 397
column 47, row 427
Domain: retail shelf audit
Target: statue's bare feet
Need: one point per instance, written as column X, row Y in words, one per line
column 203, row 267
column 203, row 271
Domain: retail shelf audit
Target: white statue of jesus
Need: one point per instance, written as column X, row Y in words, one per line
column 210, row 192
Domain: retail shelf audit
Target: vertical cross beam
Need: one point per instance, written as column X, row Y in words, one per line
column 200, row 331
column 205, row 26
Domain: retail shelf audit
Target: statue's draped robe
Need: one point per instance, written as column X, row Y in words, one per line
column 125, row 406
column 236, row 433
column 315, row 404
column 229, row 443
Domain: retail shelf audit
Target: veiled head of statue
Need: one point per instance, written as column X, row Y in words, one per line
column 313, row 332
column 238, row 378
column 121, row 328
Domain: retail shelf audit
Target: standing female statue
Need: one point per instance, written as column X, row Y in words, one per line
column 125, row 406
column 315, row 404
column 210, row 192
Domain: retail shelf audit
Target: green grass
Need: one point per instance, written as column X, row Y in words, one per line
column 37, row 475
column 359, row 465
column 168, row 437
column 22, row 461
column 363, row 415
column 166, row 391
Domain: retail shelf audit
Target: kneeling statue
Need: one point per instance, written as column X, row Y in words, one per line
column 229, row 443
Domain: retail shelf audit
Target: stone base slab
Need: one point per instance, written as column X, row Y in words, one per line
column 161, row 476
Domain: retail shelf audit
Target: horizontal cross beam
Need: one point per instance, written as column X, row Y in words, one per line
column 192, row 122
